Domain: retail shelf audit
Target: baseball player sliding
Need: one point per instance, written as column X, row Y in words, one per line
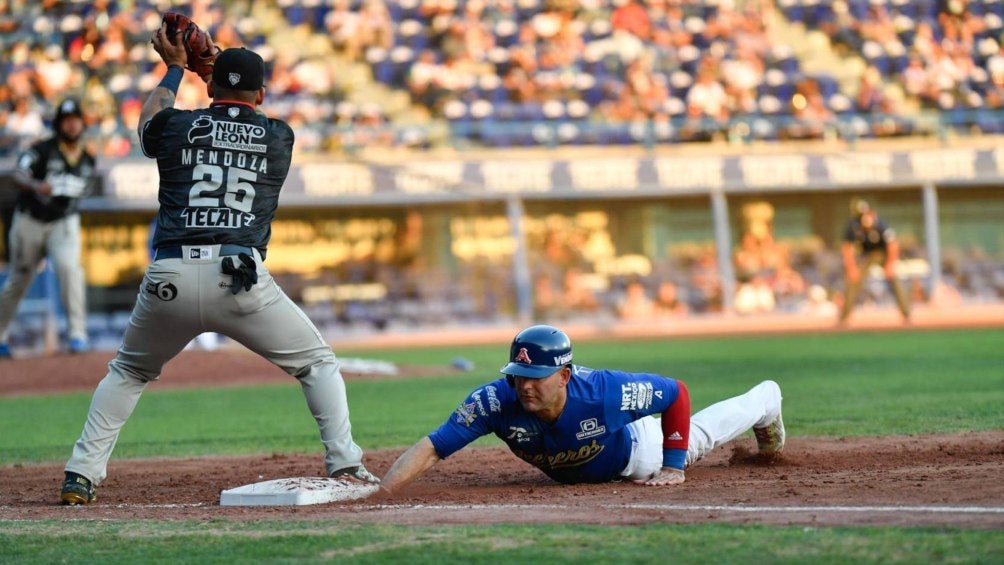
column 52, row 176
column 581, row 425
column 221, row 170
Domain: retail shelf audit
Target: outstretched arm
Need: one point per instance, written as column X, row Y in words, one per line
column 676, row 439
column 410, row 465
column 173, row 53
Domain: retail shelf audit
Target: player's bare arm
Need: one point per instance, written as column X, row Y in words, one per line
column 172, row 52
column 23, row 179
column 418, row 459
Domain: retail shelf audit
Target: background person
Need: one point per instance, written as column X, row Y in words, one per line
column 868, row 241
column 581, row 425
column 52, row 175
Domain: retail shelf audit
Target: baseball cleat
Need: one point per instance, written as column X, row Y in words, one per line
column 357, row 474
column 78, row 490
column 5, row 351
column 770, row 439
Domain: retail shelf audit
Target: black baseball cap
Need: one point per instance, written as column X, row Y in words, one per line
column 238, row 68
column 68, row 107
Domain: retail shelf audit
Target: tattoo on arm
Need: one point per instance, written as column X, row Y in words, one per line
column 159, row 99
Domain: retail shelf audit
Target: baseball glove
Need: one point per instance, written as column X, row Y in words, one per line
column 199, row 46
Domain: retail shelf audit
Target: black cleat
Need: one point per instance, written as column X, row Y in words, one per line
column 77, row 489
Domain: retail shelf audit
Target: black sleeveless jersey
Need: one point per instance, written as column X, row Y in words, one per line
column 44, row 161
column 221, row 170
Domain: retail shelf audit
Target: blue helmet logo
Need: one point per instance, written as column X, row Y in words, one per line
column 537, row 352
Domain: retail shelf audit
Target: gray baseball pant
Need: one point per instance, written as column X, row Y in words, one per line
column 165, row 319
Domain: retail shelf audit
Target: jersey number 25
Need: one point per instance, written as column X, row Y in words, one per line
column 239, row 194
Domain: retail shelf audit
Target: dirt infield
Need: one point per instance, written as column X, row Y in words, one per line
column 938, row 480
column 950, row 480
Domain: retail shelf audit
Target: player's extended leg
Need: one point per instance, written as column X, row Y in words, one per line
column 27, row 248
column 267, row 322
column 163, row 321
column 726, row 420
column 901, row 296
column 64, row 249
column 851, row 291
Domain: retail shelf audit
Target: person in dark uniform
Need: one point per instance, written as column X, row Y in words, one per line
column 221, row 170
column 869, row 241
column 52, row 175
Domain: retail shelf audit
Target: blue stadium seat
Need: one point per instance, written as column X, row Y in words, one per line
column 828, row 85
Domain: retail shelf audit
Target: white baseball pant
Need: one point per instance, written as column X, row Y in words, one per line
column 712, row 427
column 31, row 241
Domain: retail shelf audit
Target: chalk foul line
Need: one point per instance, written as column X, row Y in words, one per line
column 710, row 508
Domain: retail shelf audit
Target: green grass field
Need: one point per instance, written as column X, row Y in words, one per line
column 846, row 384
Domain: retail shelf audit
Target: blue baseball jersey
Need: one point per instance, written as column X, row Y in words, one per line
column 588, row 443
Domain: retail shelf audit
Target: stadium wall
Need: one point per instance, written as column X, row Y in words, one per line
column 649, row 215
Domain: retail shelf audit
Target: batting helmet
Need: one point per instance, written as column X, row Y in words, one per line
column 537, row 352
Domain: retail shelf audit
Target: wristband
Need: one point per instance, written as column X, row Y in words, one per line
column 172, row 80
column 675, row 458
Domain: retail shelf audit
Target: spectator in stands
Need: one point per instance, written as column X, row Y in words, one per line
column 668, row 301
column 915, row 78
column 635, row 304
column 995, row 88
column 754, row 296
column 374, row 28
column 789, row 288
column 22, row 126
column 869, row 98
column 842, row 28
column 813, row 117
column 705, row 283
column 424, row 80
column 741, row 74
column 819, row 304
column 476, row 36
column 576, row 295
column 707, row 104
column 342, row 24
column 632, row 17
column 546, row 302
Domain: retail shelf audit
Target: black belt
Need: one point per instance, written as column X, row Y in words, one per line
column 176, row 252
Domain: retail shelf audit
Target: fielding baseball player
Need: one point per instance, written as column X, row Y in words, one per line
column 221, row 169
column 52, row 176
column 581, row 425
column 868, row 241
